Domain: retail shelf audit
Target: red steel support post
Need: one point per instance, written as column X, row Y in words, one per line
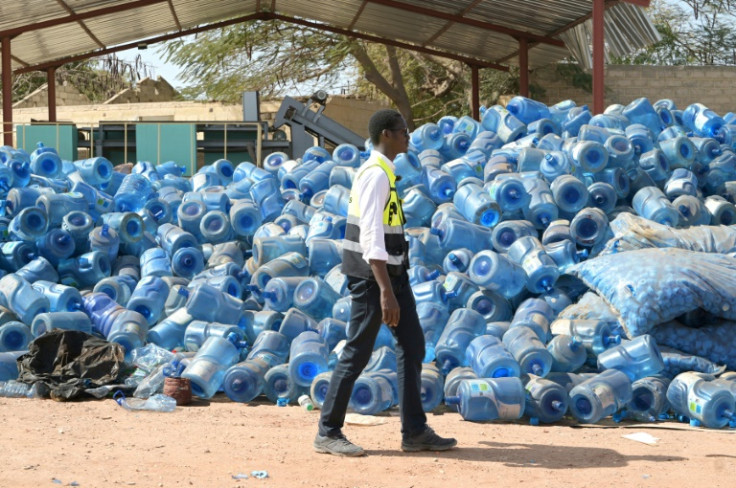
column 523, row 67
column 7, row 76
column 475, row 87
column 599, row 85
column 51, row 80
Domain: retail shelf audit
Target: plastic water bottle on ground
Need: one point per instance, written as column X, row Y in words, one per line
column 490, row 399
column 156, row 403
column 546, row 401
column 704, row 402
column 244, row 381
column 600, row 396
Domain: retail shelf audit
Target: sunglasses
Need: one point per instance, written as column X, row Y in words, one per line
column 403, row 130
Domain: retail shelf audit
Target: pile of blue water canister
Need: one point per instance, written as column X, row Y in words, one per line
column 237, row 268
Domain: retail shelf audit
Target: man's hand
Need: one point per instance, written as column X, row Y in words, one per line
column 389, row 304
column 389, row 308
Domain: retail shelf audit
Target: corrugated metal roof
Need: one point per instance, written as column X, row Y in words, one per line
column 482, row 31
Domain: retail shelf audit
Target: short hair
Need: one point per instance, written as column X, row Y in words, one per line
column 380, row 121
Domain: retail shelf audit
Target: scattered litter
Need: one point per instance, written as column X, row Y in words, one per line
column 73, row 483
column 54, row 480
column 646, row 476
column 259, row 474
column 642, row 437
column 357, row 419
column 240, row 476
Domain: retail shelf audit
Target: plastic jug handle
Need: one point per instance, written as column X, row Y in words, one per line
column 452, row 400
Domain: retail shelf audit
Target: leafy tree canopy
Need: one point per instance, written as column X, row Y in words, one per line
column 694, row 32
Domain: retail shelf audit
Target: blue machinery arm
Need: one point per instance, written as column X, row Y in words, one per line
column 306, row 124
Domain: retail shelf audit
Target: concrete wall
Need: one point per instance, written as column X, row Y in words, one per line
column 65, row 95
column 710, row 85
column 146, row 91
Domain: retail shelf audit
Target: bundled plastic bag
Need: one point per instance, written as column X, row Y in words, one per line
column 676, row 362
column 149, row 377
column 716, row 342
column 632, row 232
column 150, row 356
column 647, row 287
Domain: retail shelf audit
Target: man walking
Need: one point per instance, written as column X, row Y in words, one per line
column 375, row 260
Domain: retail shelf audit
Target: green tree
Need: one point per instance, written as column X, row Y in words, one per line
column 276, row 58
column 694, row 32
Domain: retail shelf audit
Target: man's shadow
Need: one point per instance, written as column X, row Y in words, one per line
column 537, row 455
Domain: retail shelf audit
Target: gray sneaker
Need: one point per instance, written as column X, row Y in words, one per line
column 427, row 441
column 339, row 446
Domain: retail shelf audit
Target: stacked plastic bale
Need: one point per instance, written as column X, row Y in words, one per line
column 497, row 212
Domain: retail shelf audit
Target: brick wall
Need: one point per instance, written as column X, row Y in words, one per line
column 710, row 85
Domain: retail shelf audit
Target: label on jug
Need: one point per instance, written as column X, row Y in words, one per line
column 450, row 282
column 604, row 394
column 689, row 380
column 478, row 386
column 296, row 259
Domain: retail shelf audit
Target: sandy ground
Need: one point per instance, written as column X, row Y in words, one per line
column 207, row 444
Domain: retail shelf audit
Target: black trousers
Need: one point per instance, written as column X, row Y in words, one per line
column 365, row 321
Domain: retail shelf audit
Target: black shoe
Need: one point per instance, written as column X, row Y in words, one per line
column 339, row 446
column 427, row 441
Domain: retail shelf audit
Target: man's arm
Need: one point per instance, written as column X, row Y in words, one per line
column 389, row 304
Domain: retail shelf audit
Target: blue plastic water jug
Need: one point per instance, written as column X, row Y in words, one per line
column 206, row 370
column 524, row 344
column 489, row 358
column 600, row 396
column 244, row 381
column 546, row 401
column 568, row 354
column 490, row 399
column 44, row 322
column 540, row 269
column 307, row 358
column 637, row 358
column 463, row 326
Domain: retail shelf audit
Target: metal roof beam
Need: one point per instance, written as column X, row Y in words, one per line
column 449, row 24
column 466, row 21
column 81, row 24
column 151, row 40
column 358, row 14
column 262, row 16
column 390, row 42
column 174, row 16
column 79, row 16
column 579, row 20
column 18, row 60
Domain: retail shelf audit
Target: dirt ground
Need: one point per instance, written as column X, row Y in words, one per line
column 209, row 444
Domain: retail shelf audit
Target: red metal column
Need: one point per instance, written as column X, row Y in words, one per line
column 475, row 96
column 598, row 56
column 7, row 75
column 523, row 67
column 51, row 80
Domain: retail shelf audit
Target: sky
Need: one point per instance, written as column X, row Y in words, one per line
column 156, row 64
